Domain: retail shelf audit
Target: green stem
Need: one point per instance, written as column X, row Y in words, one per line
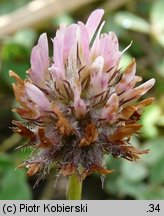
column 74, row 188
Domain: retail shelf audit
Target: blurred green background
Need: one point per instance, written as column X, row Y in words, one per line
column 141, row 21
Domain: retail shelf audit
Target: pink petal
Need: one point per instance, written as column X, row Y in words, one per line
column 37, row 96
column 40, row 61
column 69, row 37
column 60, row 32
column 127, row 78
column 98, row 79
column 109, row 112
column 83, row 43
column 79, row 104
column 56, row 72
column 43, row 45
column 93, row 22
column 72, row 67
column 137, row 92
column 58, row 54
column 94, row 51
column 136, row 80
column 109, row 49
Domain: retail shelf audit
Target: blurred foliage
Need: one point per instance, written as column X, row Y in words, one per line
column 139, row 21
column 13, row 182
column 9, row 6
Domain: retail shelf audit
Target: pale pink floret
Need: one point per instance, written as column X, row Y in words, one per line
column 73, row 42
column 79, row 104
column 137, row 92
column 68, row 39
column 109, row 49
column 72, row 65
column 40, row 61
column 72, row 50
column 58, row 57
column 94, row 51
column 37, row 96
column 94, row 21
column 83, row 43
column 127, row 78
column 110, row 111
column 99, row 80
column 62, row 45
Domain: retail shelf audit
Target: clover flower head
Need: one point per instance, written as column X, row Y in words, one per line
column 77, row 106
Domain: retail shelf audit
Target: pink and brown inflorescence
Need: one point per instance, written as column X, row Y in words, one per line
column 77, row 106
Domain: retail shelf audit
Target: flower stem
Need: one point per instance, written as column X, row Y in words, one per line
column 74, row 188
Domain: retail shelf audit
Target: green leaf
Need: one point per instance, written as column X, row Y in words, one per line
column 131, row 21
column 134, row 172
column 153, row 193
column 139, row 191
column 156, row 147
column 157, row 172
column 14, row 185
column 110, row 180
column 134, row 189
column 5, row 162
